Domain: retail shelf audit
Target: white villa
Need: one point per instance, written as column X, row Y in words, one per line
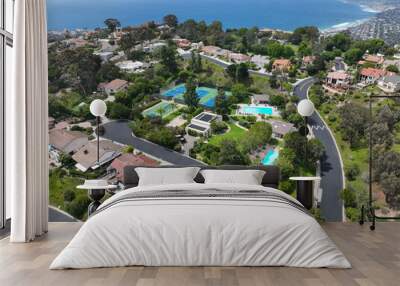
column 132, row 66
column 390, row 84
column 202, row 123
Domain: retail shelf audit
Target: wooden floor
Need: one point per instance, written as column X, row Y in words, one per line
column 375, row 257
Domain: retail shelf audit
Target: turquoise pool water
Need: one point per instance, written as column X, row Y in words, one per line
column 265, row 110
column 270, row 157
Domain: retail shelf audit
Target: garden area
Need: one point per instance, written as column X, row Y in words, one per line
column 348, row 118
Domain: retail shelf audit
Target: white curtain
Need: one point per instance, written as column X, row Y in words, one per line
column 27, row 124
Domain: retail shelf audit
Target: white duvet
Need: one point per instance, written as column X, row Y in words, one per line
column 192, row 231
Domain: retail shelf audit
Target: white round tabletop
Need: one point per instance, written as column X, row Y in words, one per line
column 305, row 178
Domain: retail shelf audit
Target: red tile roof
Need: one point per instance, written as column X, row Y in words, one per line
column 116, row 84
column 373, row 72
column 131, row 160
column 374, row 59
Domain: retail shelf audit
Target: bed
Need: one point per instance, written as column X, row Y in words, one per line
column 201, row 224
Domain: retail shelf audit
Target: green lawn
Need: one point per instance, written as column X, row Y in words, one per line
column 235, row 133
column 59, row 184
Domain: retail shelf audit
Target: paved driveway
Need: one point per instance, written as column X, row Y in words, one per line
column 332, row 178
column 119, row 131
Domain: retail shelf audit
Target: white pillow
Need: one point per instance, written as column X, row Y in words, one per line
column 244, row 177
column 166, row 176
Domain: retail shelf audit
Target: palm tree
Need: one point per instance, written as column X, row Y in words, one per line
column 160, row 111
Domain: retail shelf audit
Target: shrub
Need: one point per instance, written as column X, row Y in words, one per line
column 352, row 172
column 287, row 186
column 78, row 207
column 353, row 214
column 218, row 127
column 69, row 195
column 349, row 198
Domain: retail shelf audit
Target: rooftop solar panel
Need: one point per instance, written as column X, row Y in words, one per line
column 197, row 127
column 205, row 117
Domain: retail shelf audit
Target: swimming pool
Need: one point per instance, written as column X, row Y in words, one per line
column 207, row 95
column 270, row 157
column 163, row 108
column 256, row 110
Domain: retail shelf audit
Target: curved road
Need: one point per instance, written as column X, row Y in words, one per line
column 119, row 131
column 331, row 169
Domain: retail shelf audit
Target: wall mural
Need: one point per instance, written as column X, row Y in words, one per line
column 194, row 93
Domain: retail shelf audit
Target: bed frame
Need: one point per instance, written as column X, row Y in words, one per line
column 271, row 178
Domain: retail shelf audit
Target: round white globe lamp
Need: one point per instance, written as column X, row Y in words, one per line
column 98, row 107
column 305, row 108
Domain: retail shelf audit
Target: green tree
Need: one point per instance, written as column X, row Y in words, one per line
column 168, row 59
column 66, row 160
column 231, row 155
column 240, row 93
column 353, row 124
column 108, row 72
column 392, row 68
column 190, row 97
column 221, row 103
column 112, row 24
column 242, row 73
column 339, row 41
column 171, row 20
column 117, row 110
column 352, row 56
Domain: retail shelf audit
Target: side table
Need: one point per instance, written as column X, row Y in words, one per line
column 305, row 190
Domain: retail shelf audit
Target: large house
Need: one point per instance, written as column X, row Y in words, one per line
column 201, row 124
column 390, row 84
column 260, row 61
column 183, row 43
column 132, row 66
column 307, row 61
column 86, row 157
column 66, row 141
column 338, row 80
column 239, row 58
column 280, row 128
column 372, row 59
column 372, row 75
column 117, row 166
column 260, row 99
column 214, row 51
column 115, row 86
column 281, row 65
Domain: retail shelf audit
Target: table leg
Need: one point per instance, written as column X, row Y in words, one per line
column 305, row 193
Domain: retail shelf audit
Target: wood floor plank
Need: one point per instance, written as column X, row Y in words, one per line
column 375, row 257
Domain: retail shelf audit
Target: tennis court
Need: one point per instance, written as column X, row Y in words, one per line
column 160, row 109
column 207, row 95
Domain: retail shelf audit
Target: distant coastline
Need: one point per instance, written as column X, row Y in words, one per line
column 284, row 15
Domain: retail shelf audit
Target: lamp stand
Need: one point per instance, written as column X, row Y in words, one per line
column 98, row 139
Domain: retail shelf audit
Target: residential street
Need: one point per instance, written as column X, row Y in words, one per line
column 119, row 131
column 332, row 178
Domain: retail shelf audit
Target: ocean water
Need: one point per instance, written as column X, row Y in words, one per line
column 280, row 14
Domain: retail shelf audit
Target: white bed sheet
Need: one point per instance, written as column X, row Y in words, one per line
column 200, row 232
